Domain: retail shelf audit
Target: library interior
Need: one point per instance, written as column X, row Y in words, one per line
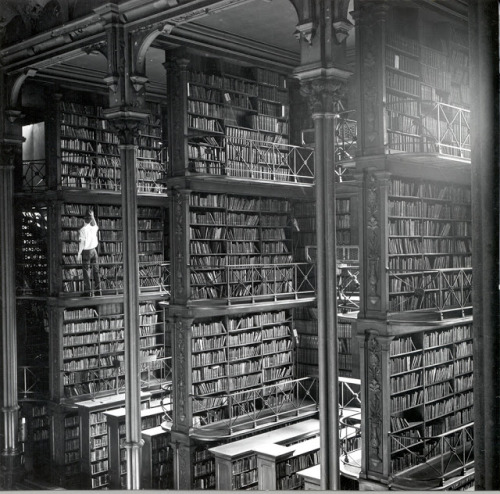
column 249, row 245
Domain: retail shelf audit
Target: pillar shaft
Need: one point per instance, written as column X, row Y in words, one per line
column 128, row 156
column 483, row 28
column 10, row 454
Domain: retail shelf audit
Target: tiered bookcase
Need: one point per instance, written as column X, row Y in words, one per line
column 85, row 336
column 89, row 151
column 92, row 348
column 304, row 238
column 151, row 225
column 431, row 393
column 427, row 85
column 415, row 267
column 229, row 231
column 236, row 275
column 429, row 229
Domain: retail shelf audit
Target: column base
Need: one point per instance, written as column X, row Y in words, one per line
column 12, row 471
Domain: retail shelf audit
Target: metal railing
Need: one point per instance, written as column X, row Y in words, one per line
column 350, row 421
column 34, row 177
column 254, row 407
column 33, row 382
column 439, row 128
column 439, row 289
column 444, row 455
column 244, row 282
column 261, row 160
column 153, row 276
column 96, row 176
column 450, row 126
column 349, row 393
column 346, row 136
column 156, row 373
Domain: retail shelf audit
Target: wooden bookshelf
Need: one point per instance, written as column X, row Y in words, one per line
column 429, row 229
column 115, row 419
column 256, row 463
column 235, row 354
column 90, row 157
column 157, row 459
column 431, row 390
column 151, row 225
column 95, row 440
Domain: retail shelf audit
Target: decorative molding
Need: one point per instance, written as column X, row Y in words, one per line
column 305, row 31
column 375, row 411
column 341, row 24
column 138, row 82
column 323, row 94
column 191, row 15
column 143, row 38
column 18, row 83
column 127, row 128
column 342, row 28
column 181, row 364
column 179, row 234
column 112, row 82
column 100, row 47
column 11, row 152
column 372, row 228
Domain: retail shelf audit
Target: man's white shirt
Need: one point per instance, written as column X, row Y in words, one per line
column 88, row 236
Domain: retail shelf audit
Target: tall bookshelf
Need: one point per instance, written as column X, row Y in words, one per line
column 80, row 339
column 90, row 157
column 415, row 320
column 431, row 375
column 427, row 84
column 237, row 275
column 305, row 319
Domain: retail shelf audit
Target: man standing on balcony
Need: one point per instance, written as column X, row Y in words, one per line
column 87, row 254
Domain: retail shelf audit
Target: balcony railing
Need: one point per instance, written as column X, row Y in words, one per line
column 153, row 276
column 243, row 283
column 440, row 128
column 443, row 456
column 33, row 382
column 350, row 424
column 439, row 290
column 252, row 408
column 156, row 373
column 34, row 176
column 346, row 136
column 261, row 160
column 93, row 176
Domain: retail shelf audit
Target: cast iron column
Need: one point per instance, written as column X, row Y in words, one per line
column 485, row 131
column 127, row 127
column 11, row 454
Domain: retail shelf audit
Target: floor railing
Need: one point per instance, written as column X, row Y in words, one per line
column 244, row 409
column 241, row 283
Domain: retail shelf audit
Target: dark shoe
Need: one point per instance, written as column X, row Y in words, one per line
column 98, row 293
column 86, row 294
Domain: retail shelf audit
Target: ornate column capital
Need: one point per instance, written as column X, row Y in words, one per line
column 323, row 94
column 126, row 125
